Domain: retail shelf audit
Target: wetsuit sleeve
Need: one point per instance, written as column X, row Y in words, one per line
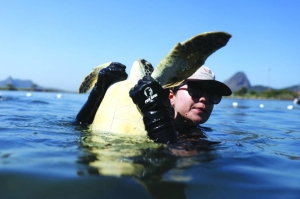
column 153, row 102
column 107, row 76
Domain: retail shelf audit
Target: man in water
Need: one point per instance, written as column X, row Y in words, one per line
column 174, row 114
column 178, row 112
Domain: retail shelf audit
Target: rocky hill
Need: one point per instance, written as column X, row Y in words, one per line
column 18, row 84
column 238, row 81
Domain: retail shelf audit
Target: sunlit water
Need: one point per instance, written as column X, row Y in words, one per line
column 42, row 155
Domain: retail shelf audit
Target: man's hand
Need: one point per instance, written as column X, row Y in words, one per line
column 148, row 95
column 115, row 72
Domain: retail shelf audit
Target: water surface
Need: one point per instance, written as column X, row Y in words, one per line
column 42, row 155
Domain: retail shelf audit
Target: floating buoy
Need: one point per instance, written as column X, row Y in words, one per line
column 290, row 107
column 28, row 94
column 58, row 96
column 261, row 105
column 235, row 104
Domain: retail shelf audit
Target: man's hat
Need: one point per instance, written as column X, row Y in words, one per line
column 207, row 77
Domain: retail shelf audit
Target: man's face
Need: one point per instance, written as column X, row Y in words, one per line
column 190, row 109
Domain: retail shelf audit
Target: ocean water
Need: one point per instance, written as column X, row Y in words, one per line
column 42, row 155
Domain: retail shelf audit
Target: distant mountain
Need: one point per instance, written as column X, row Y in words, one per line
column 260, row 88
column 238, row 81
column 295, row 88
column 17, row 83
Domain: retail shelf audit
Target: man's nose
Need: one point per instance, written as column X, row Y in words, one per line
column 204, row 97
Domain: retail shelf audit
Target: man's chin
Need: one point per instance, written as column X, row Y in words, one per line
column 200, row 120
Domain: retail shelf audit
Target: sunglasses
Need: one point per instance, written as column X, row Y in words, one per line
column 197, row 90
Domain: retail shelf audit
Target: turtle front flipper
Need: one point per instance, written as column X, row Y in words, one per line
column 186, row 57
column 107, row 76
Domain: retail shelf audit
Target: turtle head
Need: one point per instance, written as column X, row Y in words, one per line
column 139, row 69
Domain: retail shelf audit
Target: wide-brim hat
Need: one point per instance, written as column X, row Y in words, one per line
column 207, row 78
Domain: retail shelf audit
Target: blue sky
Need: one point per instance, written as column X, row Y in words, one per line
column 56, row 43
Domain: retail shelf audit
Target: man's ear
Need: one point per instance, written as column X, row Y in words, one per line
column 172, row 97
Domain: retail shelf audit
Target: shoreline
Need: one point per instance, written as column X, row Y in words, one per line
column 227, row 97
column 257, row 98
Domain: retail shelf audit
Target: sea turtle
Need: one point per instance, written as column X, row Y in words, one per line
column 118, row 114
